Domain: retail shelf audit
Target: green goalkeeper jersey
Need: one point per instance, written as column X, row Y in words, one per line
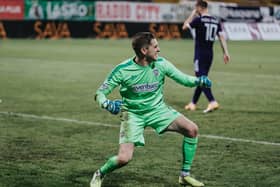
column 141, row 87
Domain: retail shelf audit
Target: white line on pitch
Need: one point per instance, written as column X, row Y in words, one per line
column 111, row 125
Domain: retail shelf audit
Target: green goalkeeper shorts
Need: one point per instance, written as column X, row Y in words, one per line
column 133, row 125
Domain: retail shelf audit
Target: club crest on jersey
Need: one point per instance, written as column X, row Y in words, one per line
column 156, row 72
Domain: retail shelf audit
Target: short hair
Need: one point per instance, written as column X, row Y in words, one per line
column 140, row 40
column 202, row 4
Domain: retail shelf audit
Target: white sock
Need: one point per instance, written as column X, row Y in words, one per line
column 185, row 173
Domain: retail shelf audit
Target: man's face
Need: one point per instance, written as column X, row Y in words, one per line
column 152, row 51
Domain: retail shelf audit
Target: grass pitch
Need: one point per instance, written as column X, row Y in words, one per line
column 58, row 78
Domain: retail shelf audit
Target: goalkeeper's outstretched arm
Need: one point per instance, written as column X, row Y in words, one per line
column 184, row 79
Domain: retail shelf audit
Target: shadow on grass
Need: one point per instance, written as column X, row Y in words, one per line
column 136, row 179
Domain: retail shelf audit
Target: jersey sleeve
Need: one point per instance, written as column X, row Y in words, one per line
column 178, row 76
column 112, row 81
column 195, row 22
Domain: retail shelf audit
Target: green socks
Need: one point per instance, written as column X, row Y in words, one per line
column 189, row 148
column 110, row 165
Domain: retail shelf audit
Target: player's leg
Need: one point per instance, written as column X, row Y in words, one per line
column 165, row 118
column 207, row 91
column 192, row 105
column 196, row 95
column 124, row 156
column 213, row 104
column 189, row 130
column 131, row 134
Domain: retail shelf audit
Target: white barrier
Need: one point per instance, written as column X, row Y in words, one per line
column 252, row 31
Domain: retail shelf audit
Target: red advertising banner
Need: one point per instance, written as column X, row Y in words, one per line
column 127, row 11
column 116, row 11
column 11, row 9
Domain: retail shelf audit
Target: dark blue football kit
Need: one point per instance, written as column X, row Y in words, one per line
column 206, row 29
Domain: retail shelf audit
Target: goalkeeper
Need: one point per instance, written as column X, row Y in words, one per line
column 141, row 80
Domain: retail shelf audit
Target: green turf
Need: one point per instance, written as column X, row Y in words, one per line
column 58, row 78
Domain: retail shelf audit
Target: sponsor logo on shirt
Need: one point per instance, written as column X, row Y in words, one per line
column 147, row 87
column 209, row 20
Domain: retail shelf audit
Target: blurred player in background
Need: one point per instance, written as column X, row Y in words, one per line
column 141, row 80
column 206, row 28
